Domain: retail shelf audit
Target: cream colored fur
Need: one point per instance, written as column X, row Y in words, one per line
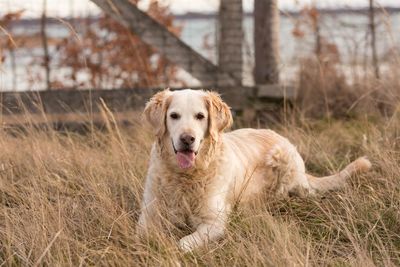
column 229, row 167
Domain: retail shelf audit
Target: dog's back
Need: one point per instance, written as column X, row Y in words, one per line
column 266, row 159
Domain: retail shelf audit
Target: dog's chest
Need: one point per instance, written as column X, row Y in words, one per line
column 183, row 198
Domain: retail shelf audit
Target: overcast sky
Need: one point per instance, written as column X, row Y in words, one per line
column 63, row 8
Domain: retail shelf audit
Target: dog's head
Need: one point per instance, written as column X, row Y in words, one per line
column 184, row 120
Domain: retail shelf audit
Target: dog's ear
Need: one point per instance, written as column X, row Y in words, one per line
column 220, row 116
column 155, row 111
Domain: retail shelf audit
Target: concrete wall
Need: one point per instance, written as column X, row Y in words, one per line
column 87, row 101
column 165, row 42
column 230, row 38
column 75, row 101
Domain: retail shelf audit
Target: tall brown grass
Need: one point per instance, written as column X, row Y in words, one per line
column 69, row 200
column 326, row 90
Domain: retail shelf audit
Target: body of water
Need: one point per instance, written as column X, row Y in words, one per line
column 348, row 32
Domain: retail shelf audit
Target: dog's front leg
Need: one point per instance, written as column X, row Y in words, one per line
column 146, row 218
column 204, row 234
column 148, row 208
column 211, row 229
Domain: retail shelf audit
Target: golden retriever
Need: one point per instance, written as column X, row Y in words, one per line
column 197, row 173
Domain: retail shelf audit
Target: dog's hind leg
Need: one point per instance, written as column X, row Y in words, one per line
column 289, row 169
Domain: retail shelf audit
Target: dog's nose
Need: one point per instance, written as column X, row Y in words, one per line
column 187, row 139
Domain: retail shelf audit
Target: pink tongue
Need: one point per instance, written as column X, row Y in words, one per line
column 185, row 159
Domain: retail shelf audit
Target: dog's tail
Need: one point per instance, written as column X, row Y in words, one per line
column 326, row 183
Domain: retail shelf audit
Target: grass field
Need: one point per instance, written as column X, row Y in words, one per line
column 70, row 200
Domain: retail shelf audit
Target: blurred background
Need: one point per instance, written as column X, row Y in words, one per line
column 331, row 52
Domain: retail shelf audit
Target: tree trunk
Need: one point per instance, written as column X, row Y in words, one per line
column 373, row 38
column 230, row 57
column 46, row 57
column 13, row 68
column 266, row 41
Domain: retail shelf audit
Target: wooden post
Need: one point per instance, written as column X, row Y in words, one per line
column 266, row 41
column 373, row 38
column 230, row 39
column 46, row 56
column 13, row 67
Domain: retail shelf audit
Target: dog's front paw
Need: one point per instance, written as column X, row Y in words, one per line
column 188, row 243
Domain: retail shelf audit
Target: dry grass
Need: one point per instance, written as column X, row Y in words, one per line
column 68, row 199
column 325, row 90
column 72, row 200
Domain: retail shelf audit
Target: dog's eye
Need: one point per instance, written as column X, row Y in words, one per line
column 174, row 116
column 199, row 116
